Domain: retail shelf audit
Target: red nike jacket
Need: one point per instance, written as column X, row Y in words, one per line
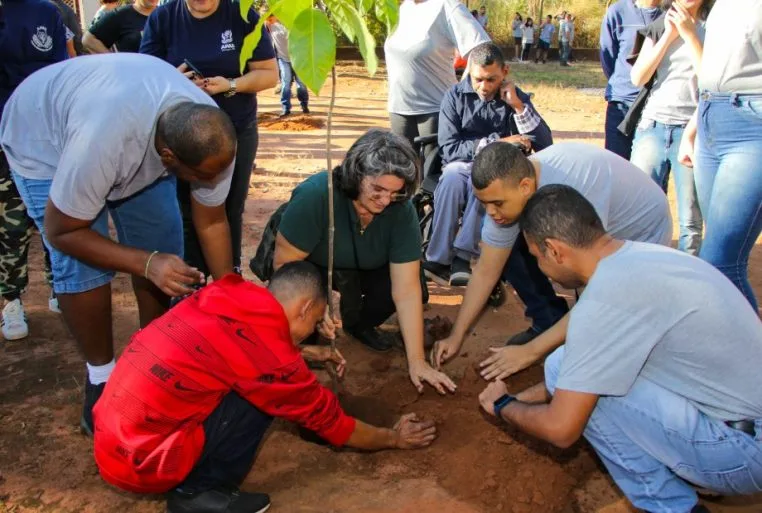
column 230, row 336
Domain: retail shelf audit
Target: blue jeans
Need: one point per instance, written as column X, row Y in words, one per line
column 729, row 182
column 655, row 152
column 564, row 51
column 616, row 141
column 287, row 76
column 652, row 441
column 148, row 220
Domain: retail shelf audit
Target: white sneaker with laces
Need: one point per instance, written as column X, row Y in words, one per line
column 14, row 321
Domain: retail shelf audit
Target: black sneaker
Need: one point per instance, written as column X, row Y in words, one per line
column 436, row 272
column 372, row 339
column 92, row 394
column 519, row 339
column 305, row 109
column 217, row 501
column 460, row 272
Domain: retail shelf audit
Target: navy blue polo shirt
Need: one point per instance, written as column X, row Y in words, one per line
column 32, row 36
column 211, row 44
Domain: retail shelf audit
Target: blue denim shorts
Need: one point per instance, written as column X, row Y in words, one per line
column 148, row 220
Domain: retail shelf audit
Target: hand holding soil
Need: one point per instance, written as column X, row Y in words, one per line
column 506, row 361
column 414, row 433
column 492, row 393
column 172, row 275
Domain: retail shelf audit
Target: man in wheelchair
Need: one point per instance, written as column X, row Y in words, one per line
column 484, row 107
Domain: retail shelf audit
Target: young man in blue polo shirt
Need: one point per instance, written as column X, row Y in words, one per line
column 32, row 36
column 620, row 25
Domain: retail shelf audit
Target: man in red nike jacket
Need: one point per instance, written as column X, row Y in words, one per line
column 195, row 391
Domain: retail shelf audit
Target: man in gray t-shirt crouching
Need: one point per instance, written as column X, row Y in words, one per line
column 630, row 204
column 660, row 370
column 107, row 136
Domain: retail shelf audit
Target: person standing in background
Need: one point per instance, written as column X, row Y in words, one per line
column 620, row 25
column 546, row 36
column 565, row 38
column 482, row 17
column 34, row 36
column 728, row 157
column 419, row 62
column 119, row 30
column 518, row 32
column 106, row 6
column 279, row 36
column 71, row 22
column 527, row 39
column 209, row 35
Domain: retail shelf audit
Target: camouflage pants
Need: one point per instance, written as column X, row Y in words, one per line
column 16, row 229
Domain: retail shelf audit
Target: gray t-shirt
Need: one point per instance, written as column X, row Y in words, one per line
column 279, row 36
column 630, row 204
column 89, row 124
column 419, row 54
column 732, row 60
column 674, row 96
column 673, row 319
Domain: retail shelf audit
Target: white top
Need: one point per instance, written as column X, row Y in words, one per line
column 732, row 61
column 419, row 53
column 659, row 314
column 89, row 125
column 527, row 36
column 630, row 204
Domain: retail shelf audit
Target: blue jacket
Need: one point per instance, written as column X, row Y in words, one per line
column 32, row 35
column 465, row 118
column 618, row 30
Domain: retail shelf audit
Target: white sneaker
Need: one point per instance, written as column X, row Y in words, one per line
column 53, row 303
column 14, row 321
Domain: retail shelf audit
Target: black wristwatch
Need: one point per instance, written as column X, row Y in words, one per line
column 503, row 401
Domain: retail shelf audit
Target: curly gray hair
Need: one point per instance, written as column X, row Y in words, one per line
column 377, row 153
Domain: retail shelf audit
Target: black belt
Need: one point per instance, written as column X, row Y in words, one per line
column 746, row 426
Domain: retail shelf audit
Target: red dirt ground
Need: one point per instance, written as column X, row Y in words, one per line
column 476, row 466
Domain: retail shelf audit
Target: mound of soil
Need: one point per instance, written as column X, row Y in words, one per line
column 292, row 123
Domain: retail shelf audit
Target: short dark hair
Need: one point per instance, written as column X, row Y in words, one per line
column 377, row 153
column 486, row 54
column 703, row 12
column 299, row 278
column 194, row 132
column 560, row 212
column 474, row 13
column 503, row 161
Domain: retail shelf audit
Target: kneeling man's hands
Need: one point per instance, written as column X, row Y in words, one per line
column 414, row 433
column 172, row 275
column 328, row 326
column 325, row 354
column 506, row 361
column 492, row 393
column 422, row 371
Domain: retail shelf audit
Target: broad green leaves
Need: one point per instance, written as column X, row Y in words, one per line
column 312, row 47
column 311, row 42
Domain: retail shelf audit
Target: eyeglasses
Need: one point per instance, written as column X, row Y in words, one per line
column 376, row 192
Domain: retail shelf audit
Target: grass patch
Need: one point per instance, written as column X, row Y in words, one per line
column 579, row 75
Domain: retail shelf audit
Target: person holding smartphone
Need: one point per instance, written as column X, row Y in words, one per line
column 209, row 34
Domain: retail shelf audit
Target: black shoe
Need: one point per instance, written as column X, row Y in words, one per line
column 699, row 508
column 519, row 339
column 305, row 109
column 497, row 296
column 436, row 272
column 371, row 338
column 92, row 394
column 284, row 113
column 460, row 272
column 217, row 501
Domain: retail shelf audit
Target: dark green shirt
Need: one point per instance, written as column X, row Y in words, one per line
column 392, row 237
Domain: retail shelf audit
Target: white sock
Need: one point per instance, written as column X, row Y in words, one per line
column 100, row 373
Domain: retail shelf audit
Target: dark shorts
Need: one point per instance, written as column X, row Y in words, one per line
column 517, row 41
column 543, row 45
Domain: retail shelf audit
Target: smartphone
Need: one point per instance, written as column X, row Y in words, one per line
column 194, row 69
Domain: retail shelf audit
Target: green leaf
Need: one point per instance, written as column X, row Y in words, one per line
column 312, row 47
column 340, row 11
column 245, row 6
column 364, row 40
column 387, row 11
column 364, row 6
column 287, row 10
column 250, row 42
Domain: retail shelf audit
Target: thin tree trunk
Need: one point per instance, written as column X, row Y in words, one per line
column 331, row 225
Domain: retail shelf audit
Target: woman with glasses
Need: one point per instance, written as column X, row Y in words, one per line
column 377, row 245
